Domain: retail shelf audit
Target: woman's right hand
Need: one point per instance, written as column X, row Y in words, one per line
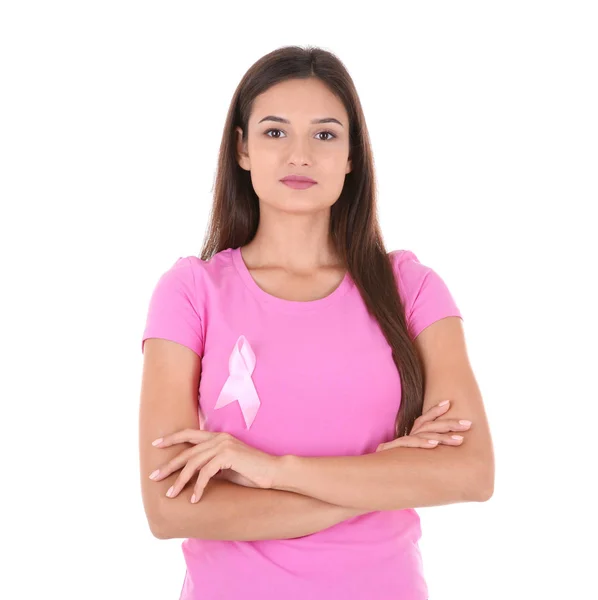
column 429, row 431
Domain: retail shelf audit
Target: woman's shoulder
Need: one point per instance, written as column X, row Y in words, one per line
column 194, row 276
column 410, row 273
column 213, row 266
column 400, row 256
column 407, row 265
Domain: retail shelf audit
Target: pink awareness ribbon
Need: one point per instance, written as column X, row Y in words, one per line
column 239, row 385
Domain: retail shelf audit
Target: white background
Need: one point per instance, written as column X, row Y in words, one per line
column 483, row 119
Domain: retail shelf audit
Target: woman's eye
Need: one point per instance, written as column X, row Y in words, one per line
column 270, row 131
column 327, row 133
column 319, row 133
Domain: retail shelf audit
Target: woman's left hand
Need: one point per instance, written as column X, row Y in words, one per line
column 212, row 452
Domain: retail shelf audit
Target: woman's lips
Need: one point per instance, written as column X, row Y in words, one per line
column 298, row 185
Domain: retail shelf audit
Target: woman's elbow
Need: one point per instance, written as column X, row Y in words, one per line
column 482, row 483
column 155, row 519
column 487, row 491
column 158, row 530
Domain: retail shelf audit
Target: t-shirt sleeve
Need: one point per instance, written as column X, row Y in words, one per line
column 425, row 295
column 173, row 311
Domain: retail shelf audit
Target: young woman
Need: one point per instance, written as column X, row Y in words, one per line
column 292, row 413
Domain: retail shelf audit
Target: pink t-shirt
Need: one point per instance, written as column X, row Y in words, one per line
column 327, row 386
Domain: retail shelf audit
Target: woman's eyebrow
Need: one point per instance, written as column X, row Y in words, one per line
column 314, row 121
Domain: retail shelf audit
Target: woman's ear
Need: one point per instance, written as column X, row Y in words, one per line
column 241, row 150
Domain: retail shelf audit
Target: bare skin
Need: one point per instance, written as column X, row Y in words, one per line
column 291, row 256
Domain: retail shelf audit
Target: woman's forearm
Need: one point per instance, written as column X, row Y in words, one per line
column 395, row 479
column 228, row 511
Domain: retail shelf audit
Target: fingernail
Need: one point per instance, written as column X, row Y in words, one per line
column 433, row 442
column 457, row 437
column 193, row 498
column 156, row 442
column 464, row 422
column 154, row 474
column 170, row 490
column 444, row 402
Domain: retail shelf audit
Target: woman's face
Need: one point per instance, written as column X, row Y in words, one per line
column 276, row 149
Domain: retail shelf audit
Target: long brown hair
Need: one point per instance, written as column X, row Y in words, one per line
column 354, row 226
